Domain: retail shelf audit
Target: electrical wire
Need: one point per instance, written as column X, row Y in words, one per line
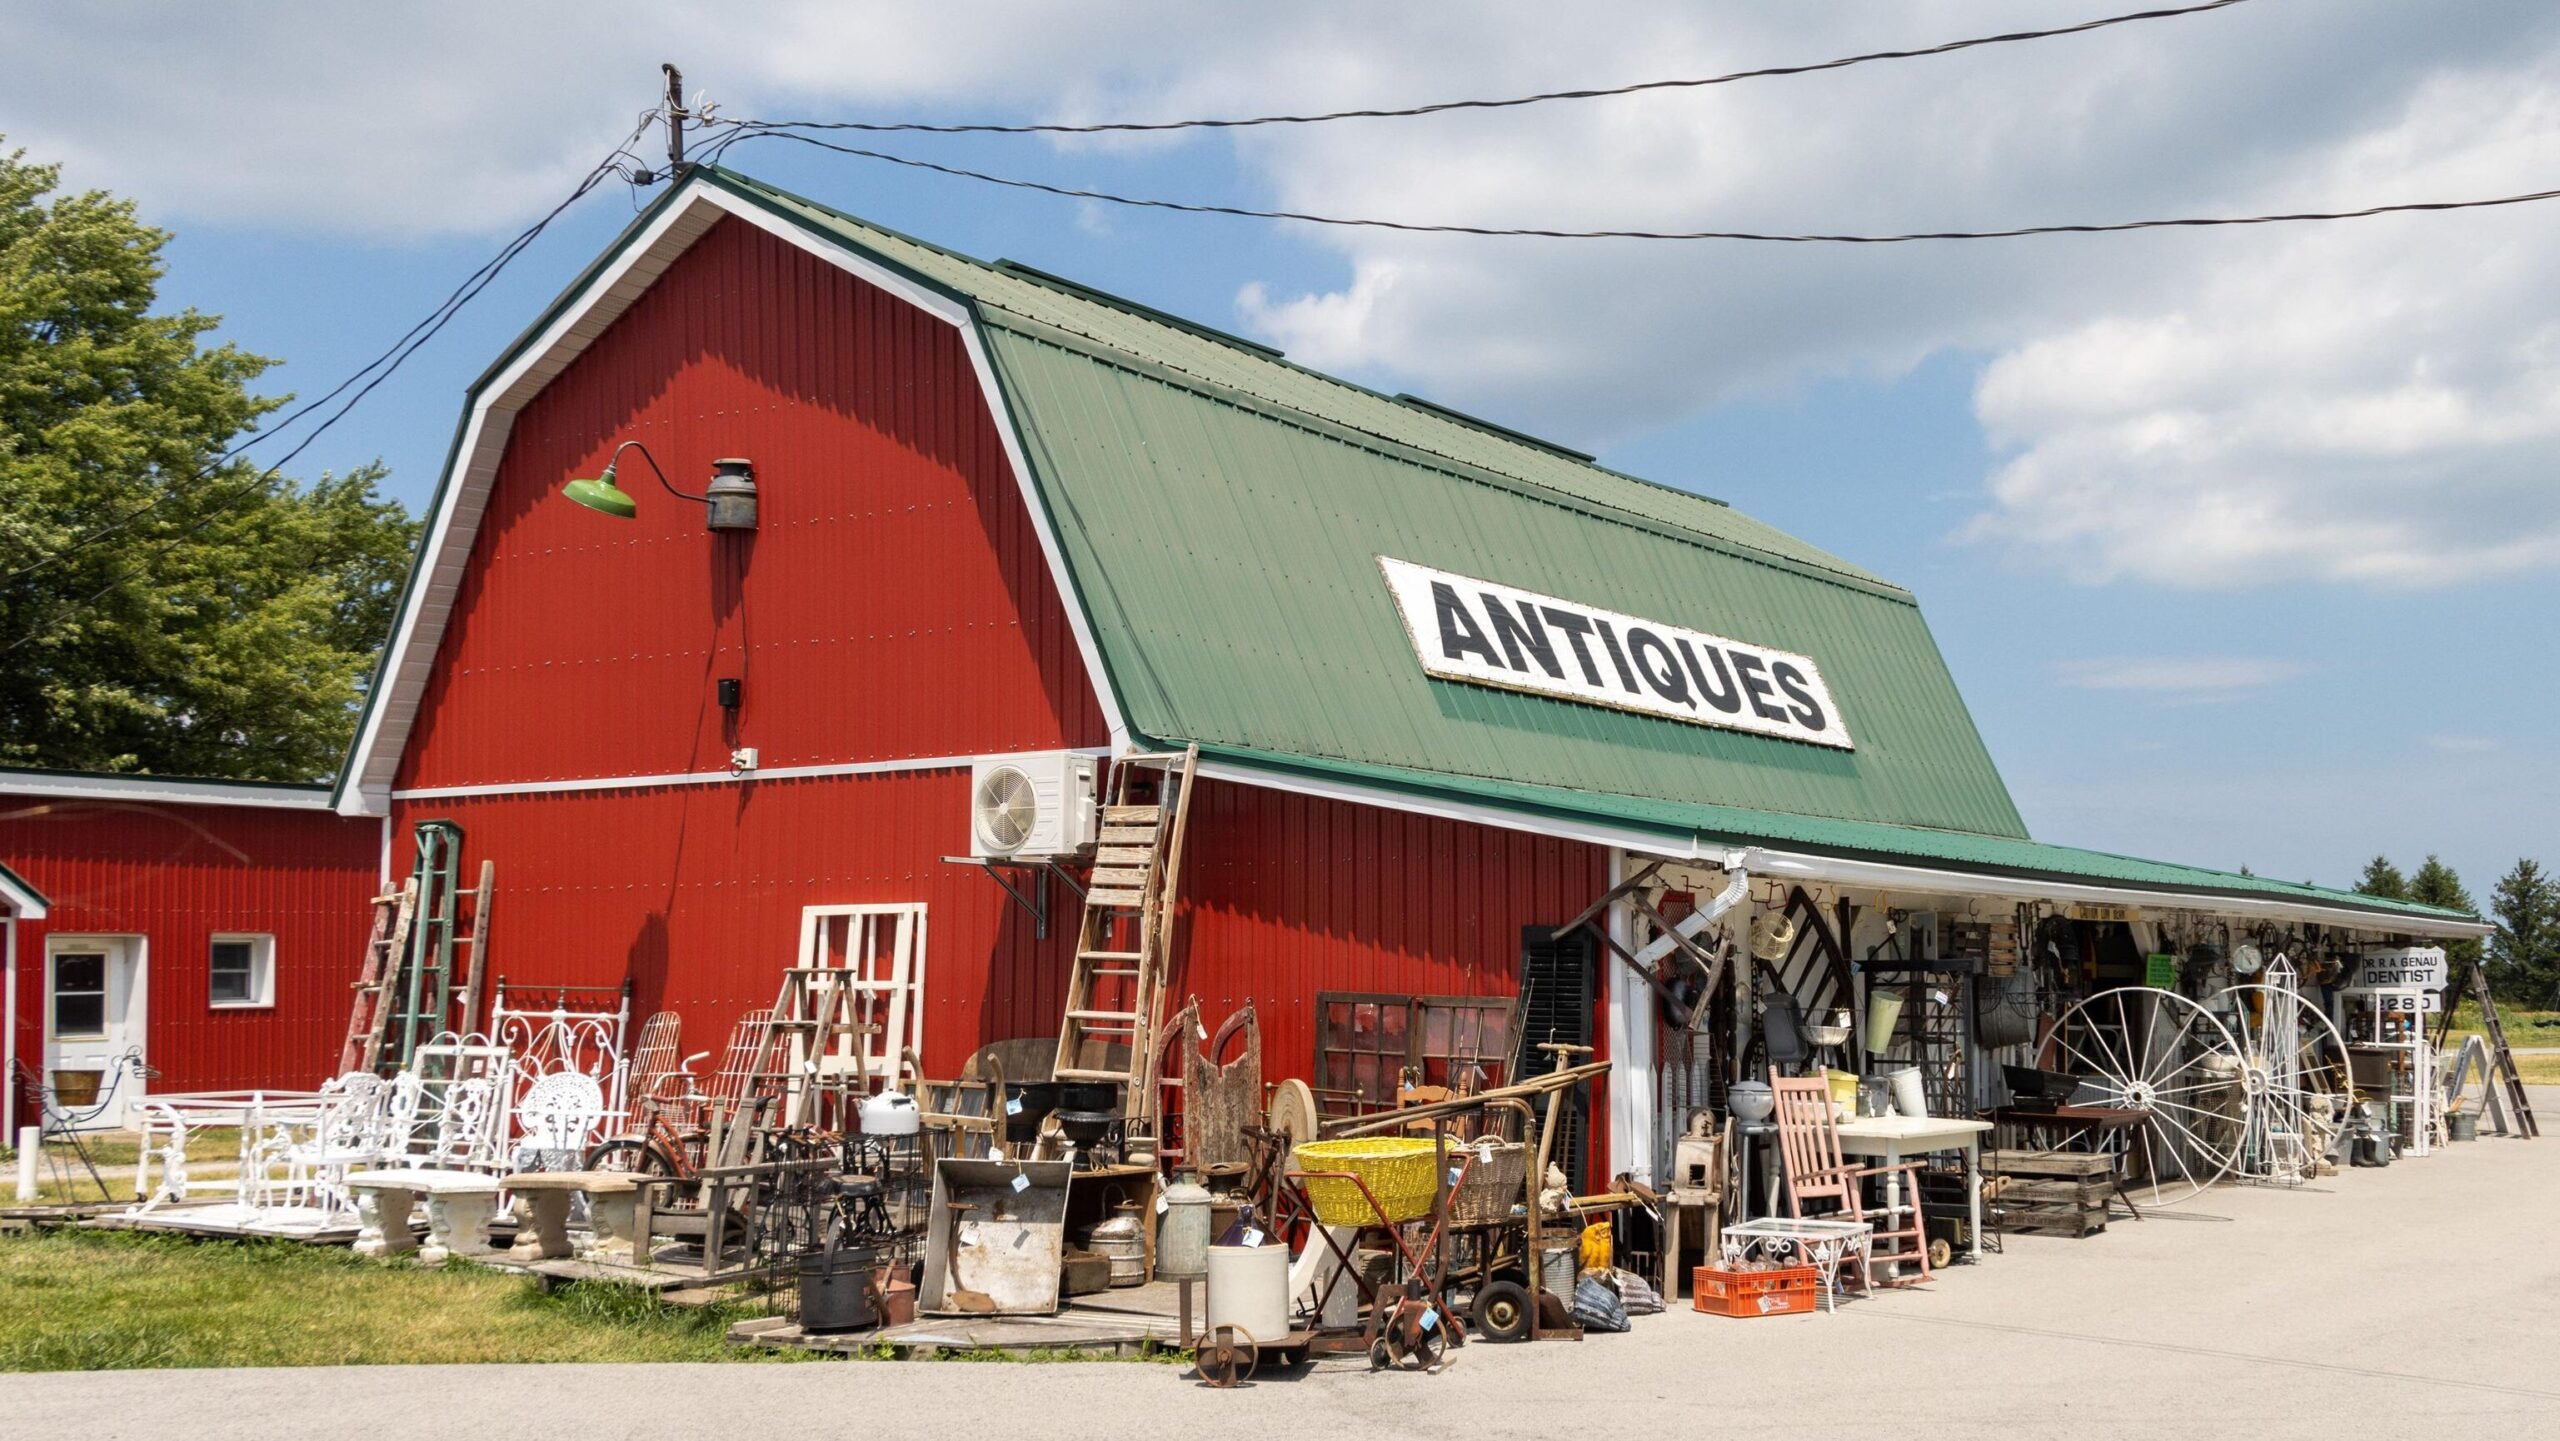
column 1771, row 237
column 371, row 375
column 395, row 355
column 1443, row 107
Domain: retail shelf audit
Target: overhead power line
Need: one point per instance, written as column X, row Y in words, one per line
column 1549, row 233
column 1512, row 102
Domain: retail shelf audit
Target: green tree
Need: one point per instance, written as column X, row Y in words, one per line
column 2524, row 953
column 162, row 609
column 2435, row 884
column 2381, row 878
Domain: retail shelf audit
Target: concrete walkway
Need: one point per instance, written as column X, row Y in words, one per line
column 2421, row 1300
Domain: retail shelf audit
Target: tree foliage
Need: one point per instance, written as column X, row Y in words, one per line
column 2524, row 954
column 2381, row 878
column 2436, row 884
column 162, row 609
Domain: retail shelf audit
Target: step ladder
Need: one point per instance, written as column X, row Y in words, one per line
column 437, row 988
column 810, row 1065
column 2502, row 1061
column 1115, row 991
column 369, row 1014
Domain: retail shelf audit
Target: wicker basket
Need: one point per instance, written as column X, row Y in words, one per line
column 1398, row 1171
column 1493, row 1183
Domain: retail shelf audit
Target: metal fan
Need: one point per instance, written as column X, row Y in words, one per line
column 2154, row 1051
column 1006, row 807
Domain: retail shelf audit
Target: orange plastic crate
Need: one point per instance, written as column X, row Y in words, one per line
column 1782, row 1292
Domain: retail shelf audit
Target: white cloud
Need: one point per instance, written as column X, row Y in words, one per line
column 2178, row 679
column 2371, row 403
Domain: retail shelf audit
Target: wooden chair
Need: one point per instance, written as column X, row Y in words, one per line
column 1809, row 1147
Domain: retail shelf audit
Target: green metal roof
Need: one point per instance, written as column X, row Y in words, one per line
column 1684, row 829
column 1222, row 513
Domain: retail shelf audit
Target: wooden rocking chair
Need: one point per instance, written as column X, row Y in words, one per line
column 1809, row 1146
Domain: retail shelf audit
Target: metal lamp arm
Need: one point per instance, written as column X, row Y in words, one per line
column 654, row 469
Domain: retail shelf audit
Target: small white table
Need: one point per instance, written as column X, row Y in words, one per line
column 1826, row 1243
column 1892, row 1139
column 460, row 1205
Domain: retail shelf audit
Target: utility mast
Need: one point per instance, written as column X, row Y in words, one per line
column 676, row 117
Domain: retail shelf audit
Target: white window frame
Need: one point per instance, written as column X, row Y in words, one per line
column 899, row 936
column 110, row 952
column 262, row 970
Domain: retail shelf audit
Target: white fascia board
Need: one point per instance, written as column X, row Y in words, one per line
column 451, row 531
column 162, row 790
column 17, row 902
column 1800, row 866
column 898, row 766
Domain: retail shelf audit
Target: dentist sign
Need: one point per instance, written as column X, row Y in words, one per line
column 1486, row 633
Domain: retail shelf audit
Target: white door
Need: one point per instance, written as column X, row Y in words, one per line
column 93, row 1017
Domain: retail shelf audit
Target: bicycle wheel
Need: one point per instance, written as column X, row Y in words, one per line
column 632, row 1155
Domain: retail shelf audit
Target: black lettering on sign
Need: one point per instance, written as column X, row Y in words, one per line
column 1756, row 685
column 1576, row 629
column 1661, row 671
column 1525, row 633
column 1458, row 632
column 1721, row 692
column 1799, row 690
column 1617, row 657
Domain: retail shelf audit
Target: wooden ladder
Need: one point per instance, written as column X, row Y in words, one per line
column 812, row 1049
column 369, row 1013
column 1115, row 992
column 2502, row 1062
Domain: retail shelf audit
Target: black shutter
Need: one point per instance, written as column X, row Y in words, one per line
column 1557, row 988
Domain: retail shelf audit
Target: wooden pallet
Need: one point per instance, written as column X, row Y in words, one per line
column 2042, row 1220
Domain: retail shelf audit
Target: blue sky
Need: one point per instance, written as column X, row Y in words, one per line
column 2242, row 546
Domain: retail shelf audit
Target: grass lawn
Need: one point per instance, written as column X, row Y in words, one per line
column 2523, row 1033
column 118, row 1301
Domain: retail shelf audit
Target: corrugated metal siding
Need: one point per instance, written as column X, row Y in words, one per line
column 179, row 874
column 894, row 604
column 1161, row 491
column 695, row 892
column 1288, row 895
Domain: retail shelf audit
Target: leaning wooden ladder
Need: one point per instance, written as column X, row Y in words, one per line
column 1115, row 992
column 2502, row 1061
column 369, row 1013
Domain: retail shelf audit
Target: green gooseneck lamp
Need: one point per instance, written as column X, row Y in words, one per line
column 728, row 504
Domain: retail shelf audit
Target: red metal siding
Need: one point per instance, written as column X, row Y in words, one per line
column 894, row 604
column 695, row 892
column 177, row 875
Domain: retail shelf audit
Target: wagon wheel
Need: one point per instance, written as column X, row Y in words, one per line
column 2293, row 1068
column 1407, row 1342
column 2157, row 1052
column 1225, row 1357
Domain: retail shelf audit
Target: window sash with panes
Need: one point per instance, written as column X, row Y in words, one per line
column 80, row 995
column 1365, row 1043
column 236, row 970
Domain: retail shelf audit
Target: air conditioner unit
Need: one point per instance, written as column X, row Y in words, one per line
column 1027, row 807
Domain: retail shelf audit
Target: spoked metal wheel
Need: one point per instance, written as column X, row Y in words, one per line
column 2157, row 1052
column 2293, row 1071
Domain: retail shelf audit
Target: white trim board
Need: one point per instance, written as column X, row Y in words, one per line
column 162, row 790
column 708, row 778
column 20, row 902
column 1806, row 866
column 446, row 552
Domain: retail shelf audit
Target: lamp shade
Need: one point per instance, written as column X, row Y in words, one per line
column 602, row 496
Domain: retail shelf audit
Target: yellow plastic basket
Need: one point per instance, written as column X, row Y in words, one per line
column 1398, row 1171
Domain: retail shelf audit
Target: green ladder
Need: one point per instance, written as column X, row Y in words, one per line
column 430, row 995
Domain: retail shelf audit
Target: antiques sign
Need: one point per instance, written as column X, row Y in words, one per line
column 1489, row 634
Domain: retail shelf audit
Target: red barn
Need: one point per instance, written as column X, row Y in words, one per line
column 209, row 927
column 1448, row 682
